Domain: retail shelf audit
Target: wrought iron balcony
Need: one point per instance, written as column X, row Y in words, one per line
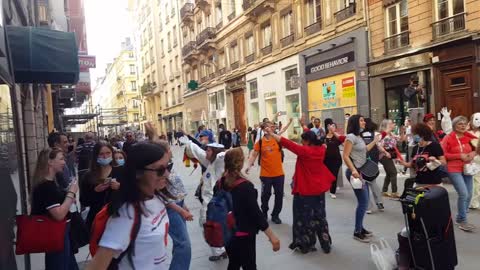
column 313, row 28
column 397, row 41
column 221, row 71
column 255, row 8
column 186, row 12
column 346, row 13
column 448, row 25
column 235, row 65
column 267, row 50
column 211, row 76
column 219, row 25
column 189, row 49
column 287, row 40
column 208, row 34
column 231, row 16
column 147, row 89
column 250, row 58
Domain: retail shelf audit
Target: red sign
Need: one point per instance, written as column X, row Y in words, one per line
column 348, row 82
column 86, row 62
column 83, row 84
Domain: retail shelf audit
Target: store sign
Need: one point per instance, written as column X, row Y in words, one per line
column 332, row 92
column 86, row 62
column 270, row 94
column 331, row 63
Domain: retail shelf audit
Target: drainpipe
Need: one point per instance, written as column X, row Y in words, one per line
column 366, row 18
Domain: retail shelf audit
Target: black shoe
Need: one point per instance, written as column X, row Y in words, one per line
column 326, row 247
column 218, row 258
column 276, row 220
column 361, row 237
column 305, row 250
column 380, row 207
column 367, row 233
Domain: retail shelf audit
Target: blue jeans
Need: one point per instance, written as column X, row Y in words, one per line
column 63, row 260
column 464, row 186
column 362, row 203
column 182, row 251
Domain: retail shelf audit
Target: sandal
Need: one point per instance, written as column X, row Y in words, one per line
column 218, row 258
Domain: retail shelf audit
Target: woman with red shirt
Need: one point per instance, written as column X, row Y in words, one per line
column 310, row 182
column 459, row 152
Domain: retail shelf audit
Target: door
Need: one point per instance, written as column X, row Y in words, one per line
column 239, row 112
column 456, row 89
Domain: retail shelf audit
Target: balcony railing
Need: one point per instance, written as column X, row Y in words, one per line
column 207, row 33
column 267, row 50
column 188, row 48
column 186, row 12
column 397, row 41
column 346, row 13
column 219, row 25
column 287, row 40
column 211, row 76
column 231, row 16
column 235, row 65
column 250, row 58
column 314, row 27
column 221, row 71
column 448, row 25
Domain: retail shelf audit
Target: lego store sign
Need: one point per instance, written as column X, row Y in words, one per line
column 332, row 92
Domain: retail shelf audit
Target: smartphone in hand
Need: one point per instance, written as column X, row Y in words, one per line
column 107, row 181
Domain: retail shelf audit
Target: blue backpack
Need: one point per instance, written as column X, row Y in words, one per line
column 220, row 225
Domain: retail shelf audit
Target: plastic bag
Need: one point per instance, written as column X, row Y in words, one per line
column 383, row 255
column 356, row 183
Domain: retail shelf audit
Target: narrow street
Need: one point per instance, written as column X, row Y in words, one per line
column 346, row 252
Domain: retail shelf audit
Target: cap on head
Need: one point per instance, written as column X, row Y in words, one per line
column 216, row 145
column 427, row 117
column 144, row 154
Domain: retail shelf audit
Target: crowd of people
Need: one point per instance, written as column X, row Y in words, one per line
column 135, row 183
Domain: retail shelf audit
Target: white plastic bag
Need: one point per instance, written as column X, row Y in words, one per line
column 383, row 255
column 356, row 183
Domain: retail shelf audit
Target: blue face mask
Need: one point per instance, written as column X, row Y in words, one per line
column 104, row 161
column 121, row 162
column 416, row 138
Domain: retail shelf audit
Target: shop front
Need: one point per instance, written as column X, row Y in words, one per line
column 196, row 109
column 172, row 121
column 274, row 92
column 336, row 78
column 217, row 107
column 388, row 80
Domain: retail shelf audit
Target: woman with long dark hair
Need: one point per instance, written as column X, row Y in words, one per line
column 249, row 219
column 310, row 182
column 355, row 156
column 50, row 200
column 142, row 193
column 334, row 161
column 101, row 181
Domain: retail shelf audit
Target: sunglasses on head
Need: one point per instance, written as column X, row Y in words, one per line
column 162, row 170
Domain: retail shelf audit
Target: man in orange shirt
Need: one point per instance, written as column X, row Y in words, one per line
column 271, row 170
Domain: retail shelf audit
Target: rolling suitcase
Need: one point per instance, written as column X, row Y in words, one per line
column 429, row 226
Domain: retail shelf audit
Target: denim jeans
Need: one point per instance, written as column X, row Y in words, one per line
column 362, row 203
column 182, row 250
column 464, row 186
column 63, row 260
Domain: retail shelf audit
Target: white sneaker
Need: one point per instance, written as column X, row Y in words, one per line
column 333, row 196
column 369, row 211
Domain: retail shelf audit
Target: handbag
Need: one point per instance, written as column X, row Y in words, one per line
column 469, row 168
column 369, row 170
column 79, row 231
column 39, row 234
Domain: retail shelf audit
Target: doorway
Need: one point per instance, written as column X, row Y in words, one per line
column 456, row 89
column 239, row 113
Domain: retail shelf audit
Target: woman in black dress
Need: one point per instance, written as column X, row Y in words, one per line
column 334, row 160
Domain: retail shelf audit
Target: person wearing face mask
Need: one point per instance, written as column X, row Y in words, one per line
column 101, row 181
column 120, row 158
column 427, row 157
column 213, row 160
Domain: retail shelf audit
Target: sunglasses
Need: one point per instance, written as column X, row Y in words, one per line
column 162, row 170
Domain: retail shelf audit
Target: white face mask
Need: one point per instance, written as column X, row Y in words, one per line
column 476, row 120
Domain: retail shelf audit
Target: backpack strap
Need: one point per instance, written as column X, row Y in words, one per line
column 260, row 147
column 238, row 182
column 130, row 251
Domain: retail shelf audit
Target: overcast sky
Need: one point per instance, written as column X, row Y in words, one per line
column 107, row 26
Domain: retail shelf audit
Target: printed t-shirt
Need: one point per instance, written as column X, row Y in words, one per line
column 271, row 158
column 425, row 175
column 151, row 241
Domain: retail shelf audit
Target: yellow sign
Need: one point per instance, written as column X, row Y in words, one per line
column 332, row 92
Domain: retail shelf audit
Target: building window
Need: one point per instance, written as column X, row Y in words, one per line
column 287, row 25
column 250, row 45
column 170, row 65
column 213, row 101
column 150, row 35
column 177, row 69
column 221, row 60
column 166, row 99
column 397, row 18
column 135, row 116
column 313, row 11
column 179, row 94
column 234, row 54
column 267, row 35
column 131, row 55
column 133, row 85
column 218, row 13
column 143, row 63
column 253, row 90
column 148, row 79
column 162, row 47
column 169, row 39
column 221, row 100
column 132, row 69
column 291, row 79
column 174, row 100
column 174, row 36
column 154, row 77
column 343, row 4
column 450, row 16
column 152, row 56
column 164, row 73
column 449, row 8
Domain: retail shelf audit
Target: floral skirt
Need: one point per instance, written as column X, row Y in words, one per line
column 309, row 222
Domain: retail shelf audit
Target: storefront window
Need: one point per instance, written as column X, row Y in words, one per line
column 253, row 90
column 270, row 107
column 293, row 110
column 221, row 100
column 254, row 113
column 291, row 79
column 10, row 188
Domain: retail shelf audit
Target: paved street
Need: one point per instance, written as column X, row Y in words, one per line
column 346, row 253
